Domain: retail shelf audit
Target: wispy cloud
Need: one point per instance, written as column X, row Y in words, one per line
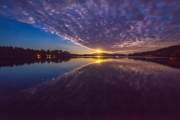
column 112, row 25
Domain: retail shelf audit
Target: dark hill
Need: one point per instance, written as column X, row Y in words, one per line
column 172, row 51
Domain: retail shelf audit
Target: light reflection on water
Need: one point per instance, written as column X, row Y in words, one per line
column 13, row 79
column 103, row 86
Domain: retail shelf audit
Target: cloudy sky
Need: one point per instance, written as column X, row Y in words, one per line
column 82, row 26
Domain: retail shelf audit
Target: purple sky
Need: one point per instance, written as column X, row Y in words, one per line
column 110, row 25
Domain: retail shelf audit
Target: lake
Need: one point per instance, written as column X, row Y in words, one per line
column 91, row 88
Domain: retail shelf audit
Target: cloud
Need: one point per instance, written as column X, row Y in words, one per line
column 111, row 25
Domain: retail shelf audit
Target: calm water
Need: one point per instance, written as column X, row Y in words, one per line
column 91, row 88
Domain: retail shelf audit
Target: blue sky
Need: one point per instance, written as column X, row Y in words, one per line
column 19, row 34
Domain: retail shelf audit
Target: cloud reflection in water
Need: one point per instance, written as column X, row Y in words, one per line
column 125, row 86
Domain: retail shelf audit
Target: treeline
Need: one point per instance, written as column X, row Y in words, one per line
column 100, row 54
column 172, row 51
column 17, row 52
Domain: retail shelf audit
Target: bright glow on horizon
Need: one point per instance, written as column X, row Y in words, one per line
column 99, row 51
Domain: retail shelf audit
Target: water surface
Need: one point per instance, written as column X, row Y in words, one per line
column 91, row 88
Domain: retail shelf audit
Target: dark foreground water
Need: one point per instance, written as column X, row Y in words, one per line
column 92, row 89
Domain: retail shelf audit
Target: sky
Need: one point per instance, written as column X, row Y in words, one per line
column 20, row 34
column 83, row 26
